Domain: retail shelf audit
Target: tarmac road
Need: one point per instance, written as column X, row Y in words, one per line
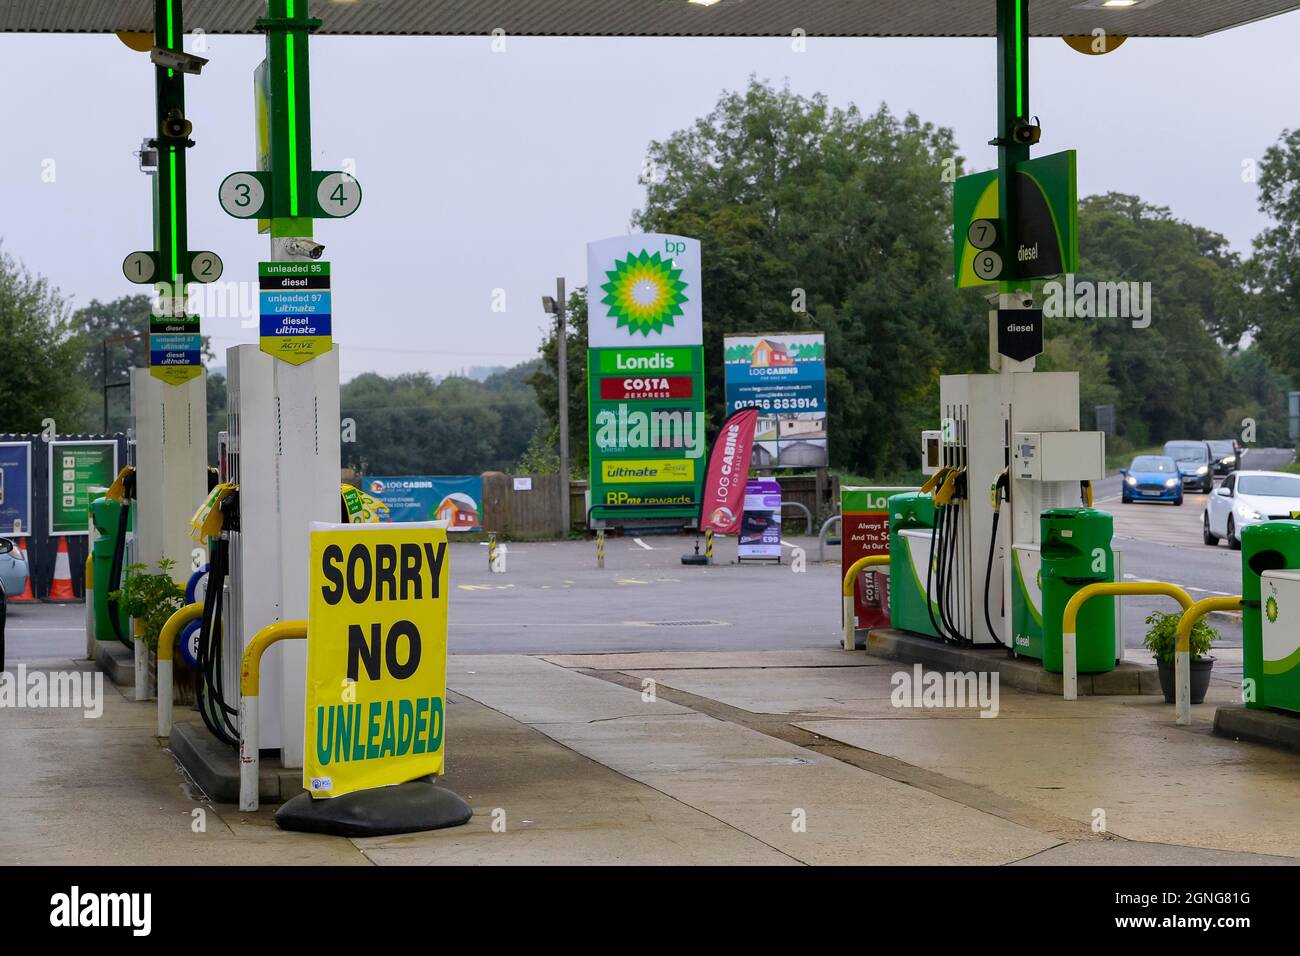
column 1162, row 542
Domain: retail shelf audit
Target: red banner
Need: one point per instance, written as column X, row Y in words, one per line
column 723, row 498
column 625, row 389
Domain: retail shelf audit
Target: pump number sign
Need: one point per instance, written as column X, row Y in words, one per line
column 376, row 656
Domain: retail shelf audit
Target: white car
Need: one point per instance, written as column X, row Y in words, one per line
column 1248, row 497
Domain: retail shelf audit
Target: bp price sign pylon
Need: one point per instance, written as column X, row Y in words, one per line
column 645, row 377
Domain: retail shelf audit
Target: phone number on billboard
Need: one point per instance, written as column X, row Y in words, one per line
column 778, row 404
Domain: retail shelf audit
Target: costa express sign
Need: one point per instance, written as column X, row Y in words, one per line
column 639, row 387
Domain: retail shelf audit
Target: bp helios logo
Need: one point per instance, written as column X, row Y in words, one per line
column 644, row 293
column 1270, row 608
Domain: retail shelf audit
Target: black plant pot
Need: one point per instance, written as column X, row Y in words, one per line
column 1201, row 667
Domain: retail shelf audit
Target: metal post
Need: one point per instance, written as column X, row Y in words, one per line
column 562, row 363
column 600, row 548
column 708, row 544
column 492, row 550
column 1013, row 105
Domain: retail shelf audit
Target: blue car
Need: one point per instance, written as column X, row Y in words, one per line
column 1152, row 478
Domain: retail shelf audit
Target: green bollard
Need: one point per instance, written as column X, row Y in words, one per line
column 1076, row 552
column 1270, row 614
column 105, row 512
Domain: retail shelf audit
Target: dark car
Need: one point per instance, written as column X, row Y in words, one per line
column 1225, row 456
column 1195, row 465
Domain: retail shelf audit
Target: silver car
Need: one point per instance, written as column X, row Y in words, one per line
column 13, row 568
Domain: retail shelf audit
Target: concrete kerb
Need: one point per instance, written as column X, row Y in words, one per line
column 1126, row 679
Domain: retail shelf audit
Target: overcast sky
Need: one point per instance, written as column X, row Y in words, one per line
column 485, row 171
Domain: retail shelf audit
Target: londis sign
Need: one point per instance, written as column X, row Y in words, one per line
column 376, row 656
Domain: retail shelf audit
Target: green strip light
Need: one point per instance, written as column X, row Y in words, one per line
column 171, row 35
column 171, row 217
column 1020, row 60
column 293, row 127
column 291, row 70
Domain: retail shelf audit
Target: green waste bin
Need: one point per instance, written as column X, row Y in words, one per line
column 909, row 555
column 105, row 512
column 1270, row 615
column 1076, row 552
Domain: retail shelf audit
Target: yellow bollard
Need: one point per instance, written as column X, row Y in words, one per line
column 1070, row 620
column 1183, row 649
column 250, row 676
column 600, row 549
column 708, row 544
column 166, row 645
column 849, row 638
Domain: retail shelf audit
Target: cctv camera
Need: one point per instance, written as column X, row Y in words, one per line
column 305, row 247
column 1025, row 132
column 177, row 60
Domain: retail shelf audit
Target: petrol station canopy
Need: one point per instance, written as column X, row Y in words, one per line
column 702, row 18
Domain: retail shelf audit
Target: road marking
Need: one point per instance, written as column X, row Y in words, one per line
column 643, row 544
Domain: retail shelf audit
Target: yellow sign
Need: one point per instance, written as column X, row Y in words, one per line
column 376, row 656
column 658, row 471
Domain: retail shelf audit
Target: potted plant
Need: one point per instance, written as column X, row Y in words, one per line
column 1161, row 637
column 150, row 599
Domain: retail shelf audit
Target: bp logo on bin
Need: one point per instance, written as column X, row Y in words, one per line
column 1270, row 609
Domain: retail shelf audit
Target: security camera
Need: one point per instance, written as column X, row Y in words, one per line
column 1026, row 132
column 304, row 247
column 148, row 156
column 177, row 60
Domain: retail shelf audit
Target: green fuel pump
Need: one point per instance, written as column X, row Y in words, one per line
column 911, row 526
column 1076, row 551
column 1270, row 617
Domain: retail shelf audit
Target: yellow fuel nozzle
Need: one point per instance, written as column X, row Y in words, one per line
column 995, row 489
column 935, row 480
column 123, row 485
column 208, row 521
column 948, row 489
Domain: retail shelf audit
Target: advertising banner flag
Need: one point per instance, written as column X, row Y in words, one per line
column 723, row 499
column 376, row 656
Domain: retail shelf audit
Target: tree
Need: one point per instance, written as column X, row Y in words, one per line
column 41, row 375
column 411, row 424
column 545, row 382
column 1169, row 375
column 793, row 199
column 113, row 337
column 1274, row 269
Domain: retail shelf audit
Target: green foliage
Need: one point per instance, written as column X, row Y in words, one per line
column 1170, row 379
column 411, row 424
column 1162, row 635
column 150, row 599
column 788, row 193
column 545, row 380
column 41, row 355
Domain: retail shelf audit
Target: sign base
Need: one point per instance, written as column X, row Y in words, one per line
column 406, row 808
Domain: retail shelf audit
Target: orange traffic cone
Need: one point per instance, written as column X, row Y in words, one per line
column 61, row 586
column 27, row 594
